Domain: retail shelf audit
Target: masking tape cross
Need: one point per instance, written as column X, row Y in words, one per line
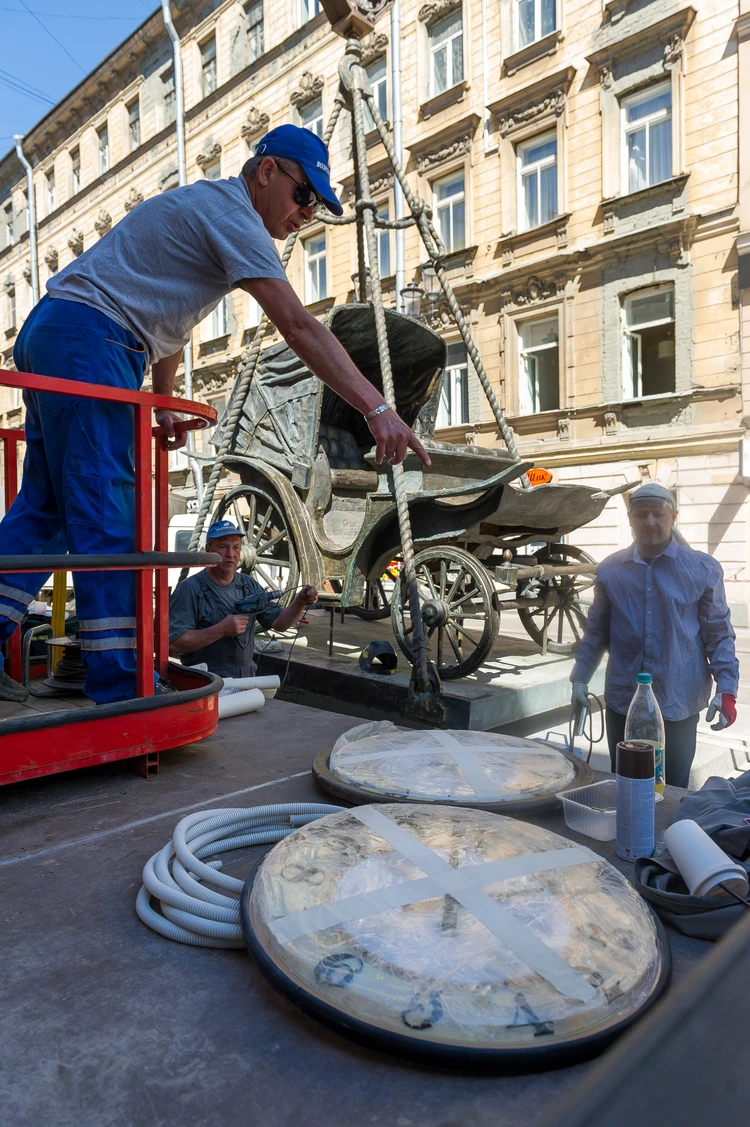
column 464, row 885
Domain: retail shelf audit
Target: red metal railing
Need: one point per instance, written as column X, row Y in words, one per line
column 152, row 631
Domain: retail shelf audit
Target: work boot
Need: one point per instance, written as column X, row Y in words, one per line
column 11, row 690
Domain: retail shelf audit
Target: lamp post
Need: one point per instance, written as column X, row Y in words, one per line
column 411, row 299
column 431, row 287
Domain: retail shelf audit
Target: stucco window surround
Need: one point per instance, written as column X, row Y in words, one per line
column 441, row 156
column 625, row 278
column 307, row 102
column 429, row 18
column 648, row 57
column 535, row 111
column 515, row 56
column 538, row 299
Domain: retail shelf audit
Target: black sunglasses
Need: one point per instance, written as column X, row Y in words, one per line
column 303, row 194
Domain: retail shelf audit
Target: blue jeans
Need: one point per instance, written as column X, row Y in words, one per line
column 78, row 487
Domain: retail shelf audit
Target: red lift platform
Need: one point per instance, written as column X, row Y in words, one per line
column 62, row 740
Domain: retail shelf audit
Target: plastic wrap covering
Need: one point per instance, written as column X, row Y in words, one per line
column 538, row 943
column 453, row 766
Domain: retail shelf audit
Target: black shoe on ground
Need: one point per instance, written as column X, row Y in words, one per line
column 11, row 690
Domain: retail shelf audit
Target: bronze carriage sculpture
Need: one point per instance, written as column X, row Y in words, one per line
column 315, row 508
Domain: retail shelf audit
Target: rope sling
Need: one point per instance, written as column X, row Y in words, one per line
column 354, row 93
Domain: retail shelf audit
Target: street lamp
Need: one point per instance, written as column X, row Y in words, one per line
column 367, row 295
column 431, row 285
column 411, row 299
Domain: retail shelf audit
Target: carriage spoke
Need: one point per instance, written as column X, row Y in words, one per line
column 239, row 519
column 443, row 577
column 560, row 624
column 441, row 633
column 454, row 647
column 275, row 540
column 456, row 581
column 464, row 633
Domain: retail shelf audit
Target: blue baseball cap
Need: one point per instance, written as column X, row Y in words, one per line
column 307, row 149
column 222, row 528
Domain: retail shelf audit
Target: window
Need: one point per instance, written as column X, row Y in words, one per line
column 539, row 366
column 208, row 66
column 215, row 324
column 537, row 171
column 205, row 437
column 649, row 343
column 316, row 286
column 75, row 170
column 647, row 138
column 213, row 171
column 384, row 243
column 8, row 224
column 377, row 74
column 25, row 212
column 254, row 13
column 311, row 117
column 134, row 124
column 167, row 89
column 454, row 396
column 103, row 135
column 51, row 194
column 11, row 292
column 536, row 18
column 446, row 53
column 308, row 9
column 254, row 313
column 448, row 205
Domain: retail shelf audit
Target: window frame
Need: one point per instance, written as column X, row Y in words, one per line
column 433, row 48
column 212, row 165
column 75, row 169
column 636, row 98
column 304, row 11
column 454, row 391
column 214, row 324
column 519, row 46
column 438, row 206
column 629, row 333
column 532, row 142
column 315, row 259
column 102, row 134
column 133, row 143
column 319, row 120
column 12, row 307
column 9, row 223
column 251, row 32
column 50, row 190
column 209, row 65
column 169, row 96
column 521, row 372
column 380, row 84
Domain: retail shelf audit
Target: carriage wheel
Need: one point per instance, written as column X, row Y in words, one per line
column 268, row 550
column 559, row 607
column 378, row 592
column 458, row 611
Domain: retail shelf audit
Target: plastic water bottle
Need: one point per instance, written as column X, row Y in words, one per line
column 644, row 723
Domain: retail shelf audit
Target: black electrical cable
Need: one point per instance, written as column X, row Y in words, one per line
column 574, row 720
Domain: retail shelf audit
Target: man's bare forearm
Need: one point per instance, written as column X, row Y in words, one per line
column 327, row 359
column 163, row 373
column 193, row 640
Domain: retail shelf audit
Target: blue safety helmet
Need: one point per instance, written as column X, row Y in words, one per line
column 307, row 149
column 222, row 528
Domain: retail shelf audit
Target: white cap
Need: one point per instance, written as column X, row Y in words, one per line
column 652, row 491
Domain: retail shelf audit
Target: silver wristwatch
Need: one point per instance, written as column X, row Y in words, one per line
column 378, row 411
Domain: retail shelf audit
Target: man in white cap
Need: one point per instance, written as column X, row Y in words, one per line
column 660, row 608
column 204, row 626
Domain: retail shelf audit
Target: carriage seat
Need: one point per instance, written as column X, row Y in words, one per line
column 340, row 448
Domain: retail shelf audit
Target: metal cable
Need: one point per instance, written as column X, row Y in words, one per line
column 368, row 207
column 245, row 377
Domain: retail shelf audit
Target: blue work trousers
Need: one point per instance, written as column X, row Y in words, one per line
column 78, row 487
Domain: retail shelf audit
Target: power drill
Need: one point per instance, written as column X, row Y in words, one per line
column 256, row 604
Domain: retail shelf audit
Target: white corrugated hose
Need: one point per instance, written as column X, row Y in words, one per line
column 178, row 876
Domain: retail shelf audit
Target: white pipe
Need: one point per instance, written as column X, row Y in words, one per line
column 179, row 99
column 269, row 686
column 18, row 142
column 398, row 195
column 237, row 704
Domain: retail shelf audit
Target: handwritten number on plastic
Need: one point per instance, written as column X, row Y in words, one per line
column 423, row 1012
column 338, row 970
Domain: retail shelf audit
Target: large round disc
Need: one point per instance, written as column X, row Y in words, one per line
column 456, row 935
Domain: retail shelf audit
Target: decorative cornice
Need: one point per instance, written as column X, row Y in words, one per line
column 615, row 45
column 75, row 242
column 9, row 283
column 310, row 87
column 208, row 155
column 134, row 198
column 27, row 272
column 255, row 122
column 543, row 98
column 522, row 115
column 458, row 147
column 435, row 10
column 382, row 183
column 51, row 258
column 535, row 290
column 373, row 47
column 103, row 222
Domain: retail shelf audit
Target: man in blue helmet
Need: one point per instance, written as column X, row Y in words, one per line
column 204, row 625
column 128, row 302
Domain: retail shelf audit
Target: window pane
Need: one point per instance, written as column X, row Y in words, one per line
column 456, row 354
column 548, row 16
column 548, row 380
column 657, row 360
column 530, row 200
column 534, row 334
column 655, row 306
column 548, row 203
column 444, row 225
column 641, row 108
column 384, row 245
column 660, row 151
column 525, row 22
column 637, row 160
column 539, row 151
column 449, row 186
column 458, row 60
column 446, row 28
column 459, row 233
column 439, row 71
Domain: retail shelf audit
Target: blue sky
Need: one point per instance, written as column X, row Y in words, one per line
column 48, row 47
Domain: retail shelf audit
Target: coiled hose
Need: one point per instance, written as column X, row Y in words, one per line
column 177, row 876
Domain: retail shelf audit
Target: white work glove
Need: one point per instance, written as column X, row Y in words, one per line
column 725, row 706
column 580, row 697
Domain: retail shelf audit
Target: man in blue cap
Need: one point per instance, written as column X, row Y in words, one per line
column 659, row 607
column 128, row 302
column 203, row 623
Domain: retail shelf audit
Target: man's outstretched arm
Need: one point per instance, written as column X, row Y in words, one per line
column 318, row 348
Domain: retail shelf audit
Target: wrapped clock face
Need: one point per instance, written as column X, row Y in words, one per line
column 379, row 762
column 453, row 934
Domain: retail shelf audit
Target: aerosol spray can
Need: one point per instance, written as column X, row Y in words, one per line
column 635, row 800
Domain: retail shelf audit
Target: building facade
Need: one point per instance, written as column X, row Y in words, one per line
column 587, row 162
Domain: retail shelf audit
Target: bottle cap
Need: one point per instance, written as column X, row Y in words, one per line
column 644, row 678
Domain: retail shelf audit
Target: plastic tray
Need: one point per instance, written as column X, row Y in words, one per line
column 591, row 810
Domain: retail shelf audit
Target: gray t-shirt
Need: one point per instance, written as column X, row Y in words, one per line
column 199, row 602
column 171, row 260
